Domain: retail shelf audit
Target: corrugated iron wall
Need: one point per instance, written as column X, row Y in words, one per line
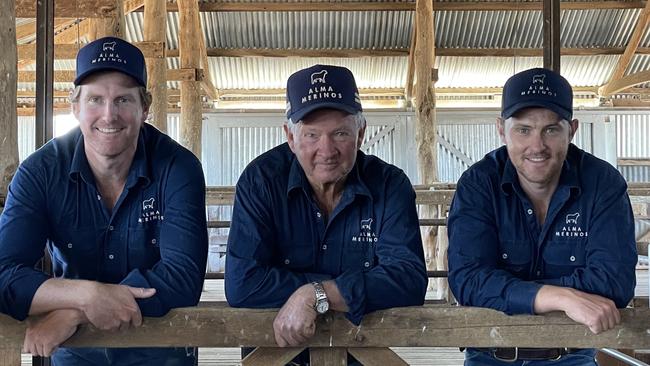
column 633, row 134
column 232, row 140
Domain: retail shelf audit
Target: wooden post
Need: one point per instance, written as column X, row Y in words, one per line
column 551, row 12
column 155, row 25
column 9, row 72
column 105, row 27
column 9, row 356
column 189, row 52
column 334, row 356
column 425, row 124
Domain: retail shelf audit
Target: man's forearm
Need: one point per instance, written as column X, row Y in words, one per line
column 336, row 300
column 57, row 293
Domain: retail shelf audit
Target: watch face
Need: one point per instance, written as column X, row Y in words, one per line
column 322, row 307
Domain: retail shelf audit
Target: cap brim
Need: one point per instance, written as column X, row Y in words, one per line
column 79, row 79
column 299, row 115
column 509, row 112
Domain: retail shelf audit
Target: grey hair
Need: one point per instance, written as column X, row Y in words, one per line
column 359, row 122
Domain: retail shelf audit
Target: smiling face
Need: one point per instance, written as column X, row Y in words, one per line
column 537, row 141
column 326, row 144
column 110, row 114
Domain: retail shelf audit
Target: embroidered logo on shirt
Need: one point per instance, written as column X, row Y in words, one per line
column 572, row 218
column 571, row 227
column 149, row 211
column 366, row 235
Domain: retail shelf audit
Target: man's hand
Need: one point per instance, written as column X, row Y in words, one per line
column 596, row 312
column 45, row 334
column 296, row 320
column 112, row 307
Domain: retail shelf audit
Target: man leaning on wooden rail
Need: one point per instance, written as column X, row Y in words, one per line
column 318, row 224
column 121, row 207
column 540, row 225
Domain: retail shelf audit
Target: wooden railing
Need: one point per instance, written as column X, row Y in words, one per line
column 217, row 325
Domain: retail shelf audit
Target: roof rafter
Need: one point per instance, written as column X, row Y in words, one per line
column 630, row 50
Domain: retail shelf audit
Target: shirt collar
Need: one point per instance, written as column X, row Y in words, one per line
column 568, row 177
column 139, row 166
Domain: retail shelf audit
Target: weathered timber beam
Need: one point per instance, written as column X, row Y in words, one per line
column 67, row 76
column 353, row 53
column 623, row 83
column 105, row 8
column 69, row 51
column 407, row 6
column 422, row 326
column 630, row 50
column 633, row 162
column 70, row 9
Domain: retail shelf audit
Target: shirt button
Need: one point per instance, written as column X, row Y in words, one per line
column 286, row 261
column 99, row 198
column 318, row 214
column 70, row 245
column 367, row 264
column 530, row 211
column 539, row 273
column 111, row 228
column 572, row 258
column 504, row 255
column 110, row 256
column 324, row 246
column 153, row 241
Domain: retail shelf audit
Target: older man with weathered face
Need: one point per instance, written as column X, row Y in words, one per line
column 317, row 224
column 530, row 226
column 121, row 209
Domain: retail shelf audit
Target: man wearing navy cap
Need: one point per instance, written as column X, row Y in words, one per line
column 120, row 208
column 539, row 225
column 317, row 224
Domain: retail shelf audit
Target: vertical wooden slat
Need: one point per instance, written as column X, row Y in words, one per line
column 267, row 356
column 377, row 357
column 9, row 72
column 9, row 356
column 155, row 26
column 335, row 356
column 189, row 52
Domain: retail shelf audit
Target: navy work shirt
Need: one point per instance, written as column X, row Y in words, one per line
column 155, row 236
column 499, row 256
column 279, row 239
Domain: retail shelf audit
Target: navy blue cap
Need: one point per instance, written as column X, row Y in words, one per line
column 321, row 86
column 111, row 53
column 537, row 88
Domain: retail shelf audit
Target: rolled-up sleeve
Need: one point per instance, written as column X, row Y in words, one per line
column 178, row 276
column 474, row 276
column 399, row 277
column 23, row 234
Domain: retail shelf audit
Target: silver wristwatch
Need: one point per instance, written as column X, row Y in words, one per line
column 322, row 304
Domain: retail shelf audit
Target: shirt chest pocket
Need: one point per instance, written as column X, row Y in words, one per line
column 144, row 246
column 358, row 255
column 76, row 253
column 515, row 257
column 563, row 257
column 298, row 257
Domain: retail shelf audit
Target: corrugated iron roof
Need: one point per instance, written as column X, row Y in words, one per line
column 392, row 30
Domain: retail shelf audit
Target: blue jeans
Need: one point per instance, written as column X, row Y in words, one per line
column 180, row 356
column 585, row 357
